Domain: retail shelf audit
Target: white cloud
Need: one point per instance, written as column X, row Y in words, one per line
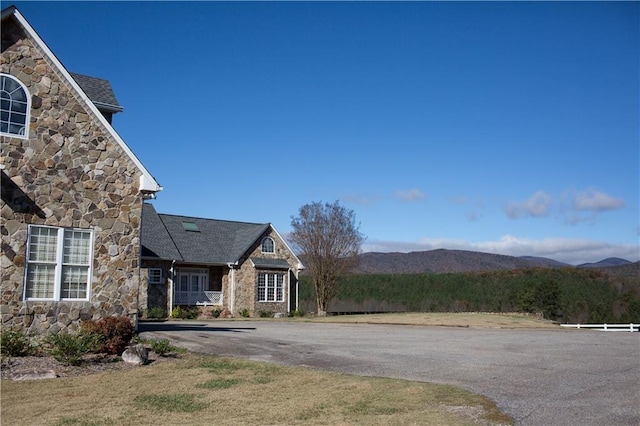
column 571, row 251
column 413, row 194
column 535, row 206
column 594, row 200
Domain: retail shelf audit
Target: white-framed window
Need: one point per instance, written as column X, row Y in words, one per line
column 15, row 105
column 268, row 245
column 192, row 280
column 155, row 275
column 58, row 263
column 270, row 287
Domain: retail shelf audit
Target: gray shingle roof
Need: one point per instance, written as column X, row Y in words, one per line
column 99, row 91
column 217, row 242
column 156, row 241
column 264, row 263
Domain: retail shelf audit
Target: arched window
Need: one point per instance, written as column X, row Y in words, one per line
column 268, row 246
column 14, row 107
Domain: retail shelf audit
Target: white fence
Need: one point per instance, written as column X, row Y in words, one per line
column 606, row 327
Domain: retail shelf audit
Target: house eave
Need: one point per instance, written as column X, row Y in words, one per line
column 108, row 107
column 183, row 263
column 148, row 184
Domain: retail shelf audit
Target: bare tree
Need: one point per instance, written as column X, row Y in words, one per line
column 329, row 239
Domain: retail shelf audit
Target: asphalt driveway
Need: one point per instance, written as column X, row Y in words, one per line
column 540, row 377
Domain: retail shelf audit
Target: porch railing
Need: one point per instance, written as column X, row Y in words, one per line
column 198, row 298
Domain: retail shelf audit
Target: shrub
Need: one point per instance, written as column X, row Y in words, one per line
column 156, row 313
column 191, row 313
column 216, row 313
column 264, row 314
column 296, row 313
column 185, row 312
column 245, row 313
column 14, row 343
column 176, row 312
column 115, row 333
column 161, row 346
column 69, row 348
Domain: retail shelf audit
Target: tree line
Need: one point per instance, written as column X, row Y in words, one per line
column 568, row 295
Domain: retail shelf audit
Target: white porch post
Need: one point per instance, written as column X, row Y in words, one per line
column 170, row 291
column 232, row 288
column 298, row 289
column 288, row 290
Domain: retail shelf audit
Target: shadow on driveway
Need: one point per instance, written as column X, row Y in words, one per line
column 171, row 326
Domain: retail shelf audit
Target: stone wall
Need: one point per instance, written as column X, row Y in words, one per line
column 154, row 295
column 247, row 278
column 77, row 175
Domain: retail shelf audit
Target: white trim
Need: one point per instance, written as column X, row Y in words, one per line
column 172, row 277
column 27, row 120
column 297, row 290
column 59, row 263
column 147, row 182
column 288, row 290
column 273, row 245
column 300, row 266
column 232, row 288
column 160, row 281
column 275, row 286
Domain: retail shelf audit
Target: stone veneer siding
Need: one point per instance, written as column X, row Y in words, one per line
column 247, row 278
column 154, row 295
column 79, row 177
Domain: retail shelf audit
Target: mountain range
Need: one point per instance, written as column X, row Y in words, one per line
column 448, row 261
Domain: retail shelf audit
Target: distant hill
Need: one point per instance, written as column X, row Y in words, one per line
column 450, row 261
column 444, row 261
column 545, row 261
column 611, row 261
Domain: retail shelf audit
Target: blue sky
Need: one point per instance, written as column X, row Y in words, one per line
column 505, row 127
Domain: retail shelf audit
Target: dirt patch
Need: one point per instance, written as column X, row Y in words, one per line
column 44, row 367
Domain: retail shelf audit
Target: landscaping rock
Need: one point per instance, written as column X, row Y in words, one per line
column 33, row 375
column 137, row 355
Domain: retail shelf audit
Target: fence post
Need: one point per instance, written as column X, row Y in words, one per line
column 605, row 327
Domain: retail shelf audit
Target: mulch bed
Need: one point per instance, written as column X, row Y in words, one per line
column 43, row 367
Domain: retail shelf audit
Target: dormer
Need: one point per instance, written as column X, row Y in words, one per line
column 100, row 93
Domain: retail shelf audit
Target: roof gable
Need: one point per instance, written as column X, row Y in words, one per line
column 203, row 241
column 147, row 184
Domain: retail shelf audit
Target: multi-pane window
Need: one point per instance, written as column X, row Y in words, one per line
column 14, row 106
column 58, row 263
column 155, row 276
column 270, row 287
column 268, row 246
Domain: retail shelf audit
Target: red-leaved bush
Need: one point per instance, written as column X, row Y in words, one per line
column 115, row 332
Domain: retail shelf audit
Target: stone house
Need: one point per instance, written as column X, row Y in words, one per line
column 72, row 192
column 232, row 266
